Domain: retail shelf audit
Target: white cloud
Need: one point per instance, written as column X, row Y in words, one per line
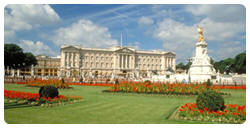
column 84, row 33
column 26, row 17
column 219, row 13
column 181, row 38
column 176, row 37
column 221, row 31
column 145, row 21
column 222, row 24
column 36, row 48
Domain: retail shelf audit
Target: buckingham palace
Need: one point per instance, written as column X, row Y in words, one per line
column 80, row 61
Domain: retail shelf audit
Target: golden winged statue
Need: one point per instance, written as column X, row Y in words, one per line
column 200, row 31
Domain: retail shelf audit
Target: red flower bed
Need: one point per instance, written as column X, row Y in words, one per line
column 91, row 84
column 241, row 87
column 21, row 95
column 21, row 83
column 161, row 88
column 231, row 114
column 34, row 97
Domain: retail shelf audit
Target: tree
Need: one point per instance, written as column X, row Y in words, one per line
column 30, row 59
column 187, row 66
column 224, row 65
column 170, row 69
column 181, row 66
column 184, row 67
column 212, row 61
column 15, row 58
column 236, row 64
column 239, row 64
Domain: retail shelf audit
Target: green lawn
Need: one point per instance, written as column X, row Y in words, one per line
column 105, row 108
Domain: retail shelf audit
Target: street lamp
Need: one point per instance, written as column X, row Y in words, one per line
column 227, row 69
column 80, row 65
column 189, row 77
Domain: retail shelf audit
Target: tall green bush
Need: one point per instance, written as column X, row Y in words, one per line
column 48, row 91
column 211, row 100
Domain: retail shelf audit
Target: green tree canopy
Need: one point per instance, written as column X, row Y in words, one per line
column 181, row 66
column 239, row 64
column 15, row 58
column 184, row 67
column 236, row 64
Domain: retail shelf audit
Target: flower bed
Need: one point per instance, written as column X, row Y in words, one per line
column 55, row 82
column 92, row 84
column 35, row 99
column 231, row 114
column 241, row 87
column 160, row 88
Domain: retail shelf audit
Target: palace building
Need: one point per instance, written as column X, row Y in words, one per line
column 78, row 61
column 46, row 66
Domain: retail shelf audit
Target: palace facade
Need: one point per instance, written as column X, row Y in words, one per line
column 78, row 61
column 46, row 66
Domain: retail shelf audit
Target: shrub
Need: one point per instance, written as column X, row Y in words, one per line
column 48, row 91
column 211, row 100
column 208, row 83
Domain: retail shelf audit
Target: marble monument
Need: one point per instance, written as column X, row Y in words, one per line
column 201, row 69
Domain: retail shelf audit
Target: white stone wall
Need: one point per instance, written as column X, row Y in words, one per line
column 110, row 60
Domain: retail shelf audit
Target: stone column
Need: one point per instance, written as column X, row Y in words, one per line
column 77, row 60
column 72, row 59
column 12, row 72
column 8, row 70
column 32, row 70
column 167, row 62
column 18, row 72
column 122, row 61
column 129, row 61
column 171, row 62
column 114, row 61
column 67, row 59
column 174, row 64
column 62, row 59
column 162, row 63
column 134, row 62
column 126, row 61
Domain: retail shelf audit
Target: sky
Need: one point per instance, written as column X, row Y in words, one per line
column 43, row 29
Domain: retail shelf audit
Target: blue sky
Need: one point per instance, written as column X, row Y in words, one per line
column 42, row 29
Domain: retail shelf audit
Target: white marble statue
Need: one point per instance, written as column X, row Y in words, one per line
column 201, row 70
